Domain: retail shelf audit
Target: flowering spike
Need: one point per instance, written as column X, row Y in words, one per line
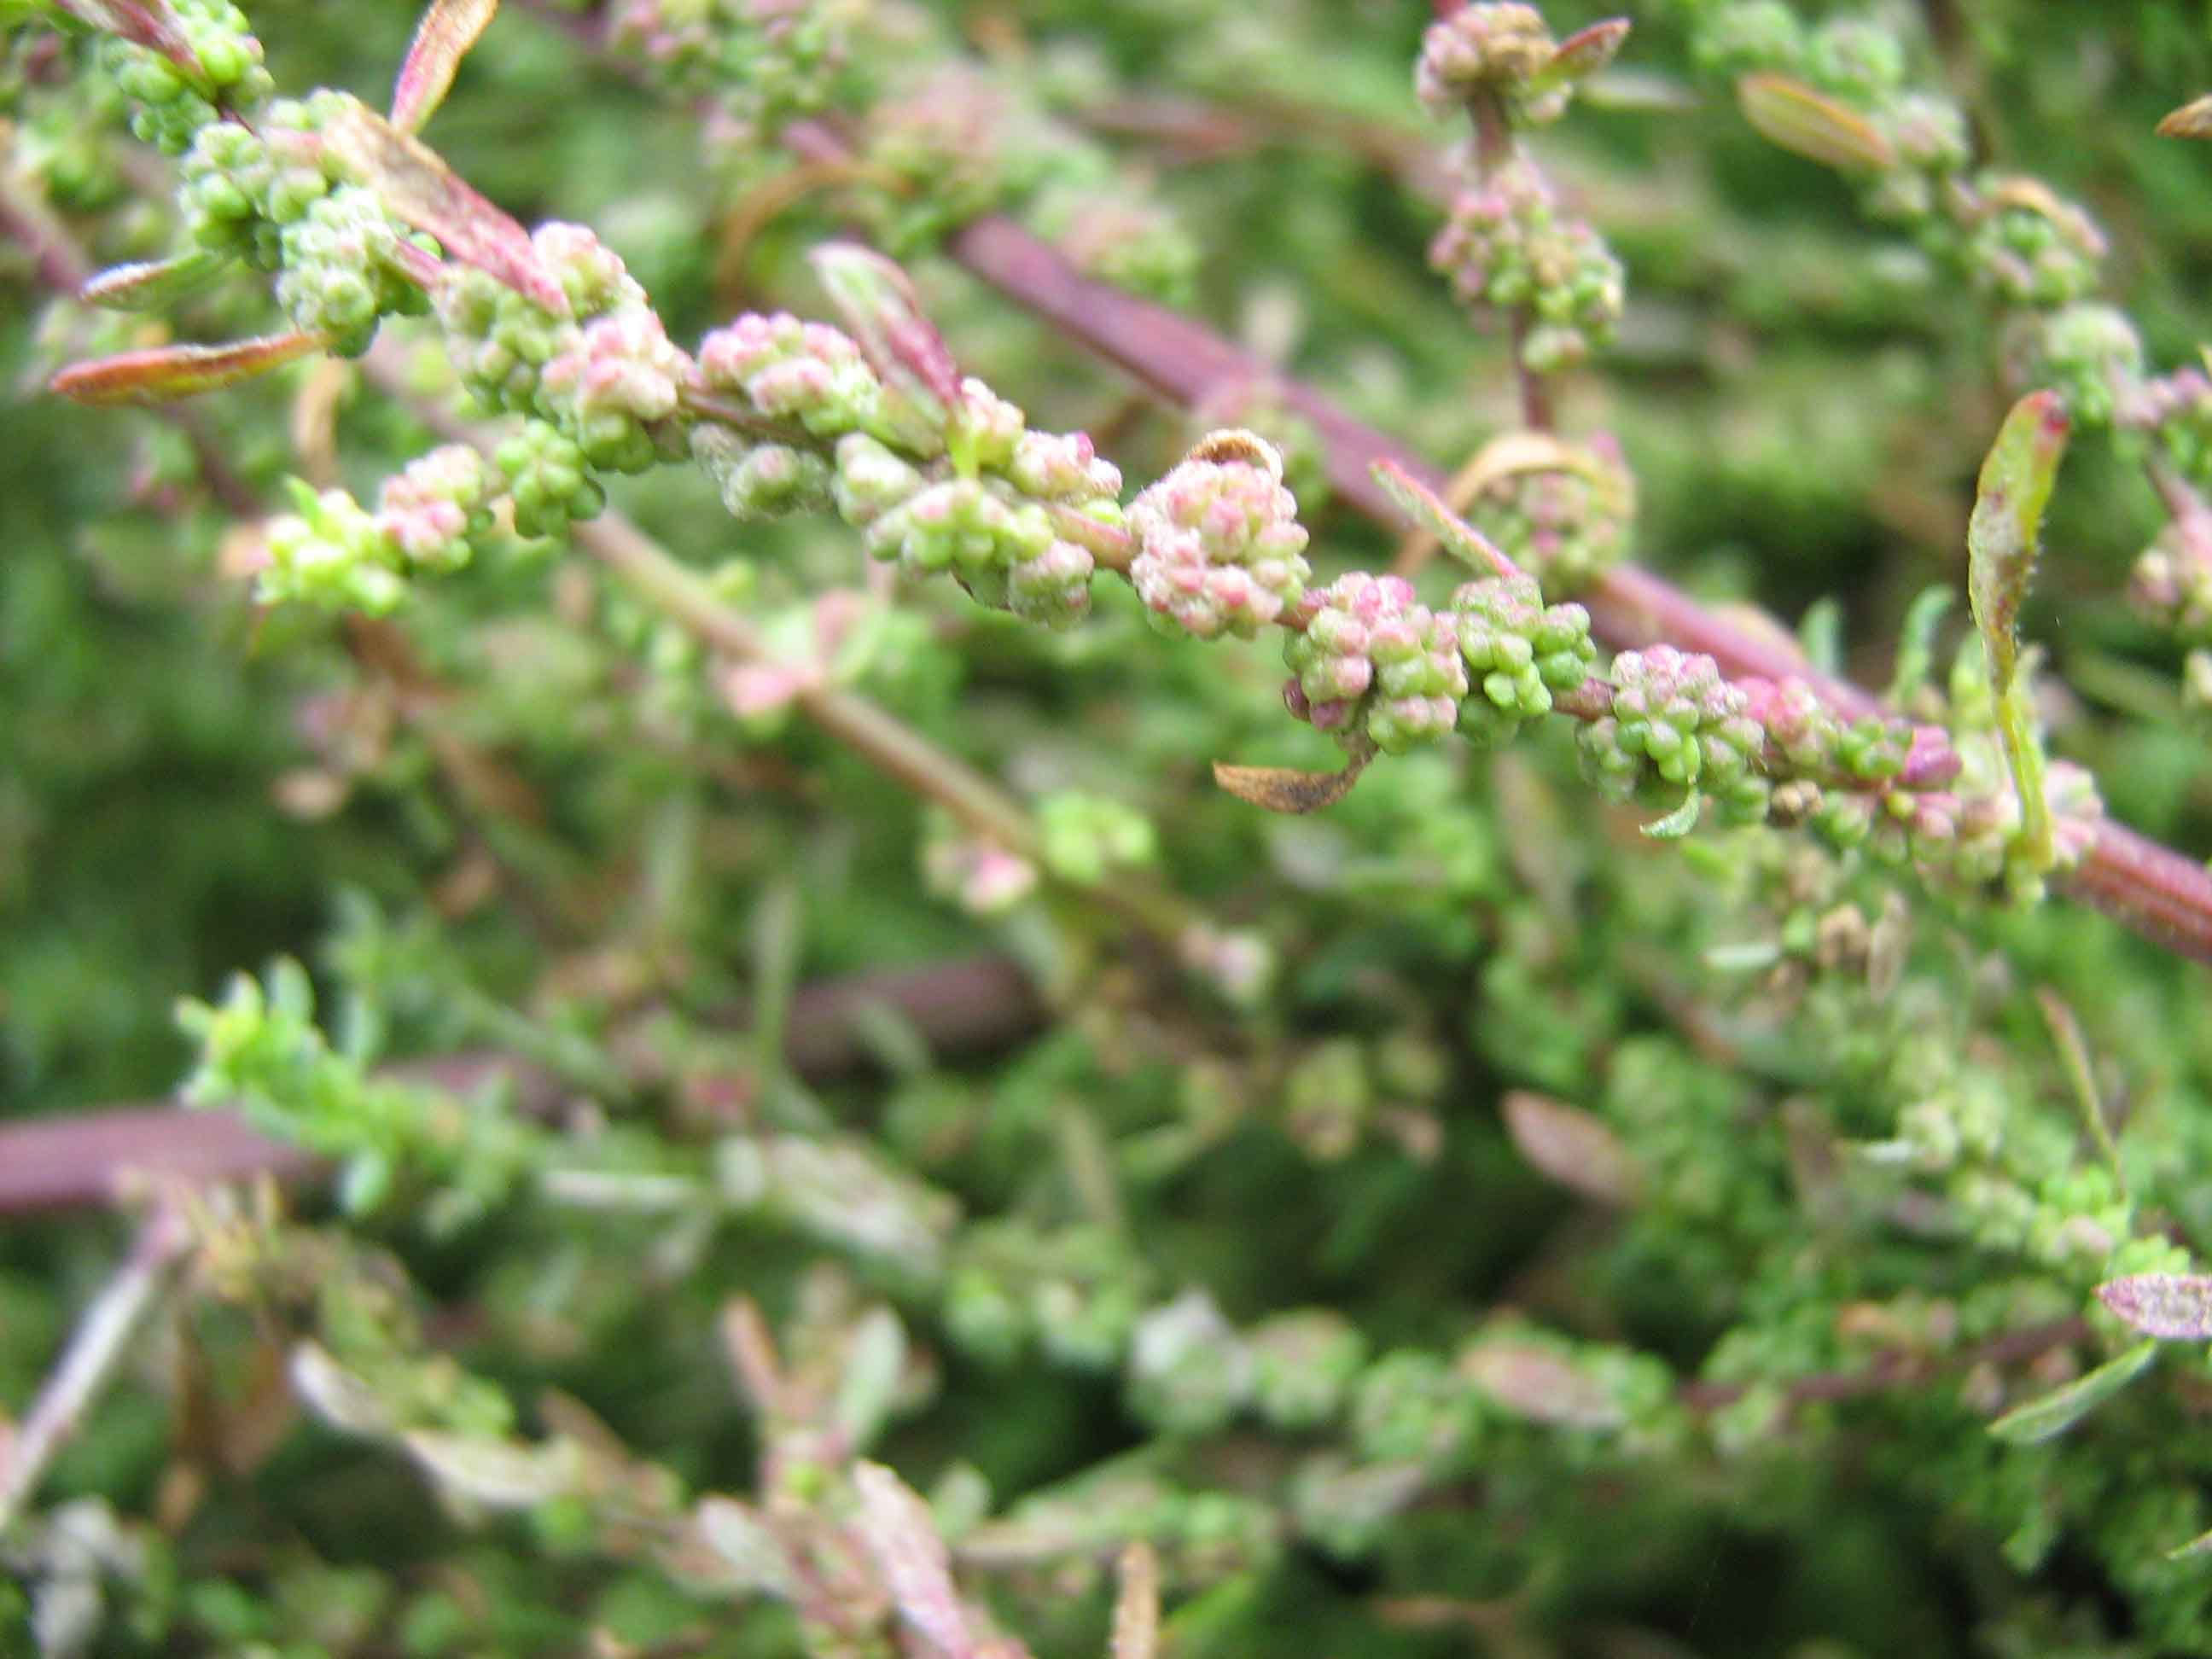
column 1286, row 789
column 161, row 375
column 1790, row 113
column 2001, row 545
column 422, row 191
column 448, row 29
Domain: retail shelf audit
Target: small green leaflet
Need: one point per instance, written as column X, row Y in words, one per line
column 2001, row 545
column 2062, row 1408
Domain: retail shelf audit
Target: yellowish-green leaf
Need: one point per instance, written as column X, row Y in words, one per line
column 2001, row 546
column 1679, row 822
column 443, row 39
column 2062, row 1408
column 1787, row 112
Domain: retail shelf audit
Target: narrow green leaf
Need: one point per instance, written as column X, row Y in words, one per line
column 1790, row 113
column 154, row 284
column 1679, row 822
column 161, row 375
column 2062, row 1408
column 1916, row 642
column 2001, row 546
column 2177, row 1306
column 1458, row 537
column 443, row 39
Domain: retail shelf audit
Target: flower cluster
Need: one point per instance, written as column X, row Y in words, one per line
column 979, row 496
column 1518, row 653
column 1508, row 244
column 765, row 61
column 2030, row 248
column 241, row 186
column 1220, row 549
column 2091, row 353
column 1676, row 722
column 333, row 553
column 1373, row 665
column 340, row 273
column 1499, row 47
column 2172, row 583
column 174, row 105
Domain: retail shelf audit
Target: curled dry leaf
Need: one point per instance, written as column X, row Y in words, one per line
column 1286, row 789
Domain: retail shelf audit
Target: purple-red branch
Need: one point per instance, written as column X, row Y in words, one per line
column 2156, row 892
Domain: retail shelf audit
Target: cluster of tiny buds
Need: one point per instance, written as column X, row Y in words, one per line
column 1509, row 245
column 1372, row 664
column 1497, row 48
column 333, row 553
column 1219, row 548
column 170, row 112
column 980, row 498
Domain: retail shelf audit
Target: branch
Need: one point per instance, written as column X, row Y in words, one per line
column 83, row 1159
column 2158, row 893
column 93, row 1352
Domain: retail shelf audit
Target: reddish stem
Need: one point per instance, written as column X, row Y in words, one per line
column 2158, row 893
